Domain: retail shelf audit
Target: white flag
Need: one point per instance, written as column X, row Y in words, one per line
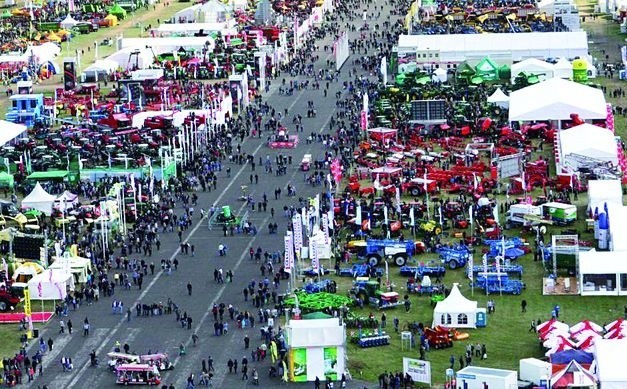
column 471, row 265
column 325, row 228
column 384, row 69
column 398, row 200
column 315, row 261
column 495, row 213
column 412, row 216
column 470, row 215
column 358, row 216
column 385, row 215
column 288, row 247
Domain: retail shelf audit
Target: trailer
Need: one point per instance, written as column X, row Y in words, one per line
column 361, row 270
column 498, row 283
column 454, row 257
column 420, row 271
column 560, row 213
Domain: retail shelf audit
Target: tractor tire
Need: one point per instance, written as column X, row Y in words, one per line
column 363, row 297
column 374, row 260
column 3, row 306
column 400, row 260
column 437, row 230
column 453, row 264
column 415, row 192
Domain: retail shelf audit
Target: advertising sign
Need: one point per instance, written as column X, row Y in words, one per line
column 299, row 364
column 418, row 370
column 330, row 362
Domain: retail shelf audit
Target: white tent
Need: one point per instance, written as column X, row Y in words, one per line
column 499, row 98
column 142, row 57
column 610, row 355
column 44, row 52
column 50, row 285
column 577, row 140
column 573, row 375
column 102, row 66
column 618, row 228
column 600, row 272
column 186, row 14
column 563, row 69
column 440, row 75
column 556, row 99
column 604, row 191
column 77, row 266
column 211, row 12
column 10, row 131
column 66, row 199
column 40, row 200
column 68, row 22
column 542, row 69
column 455, row 311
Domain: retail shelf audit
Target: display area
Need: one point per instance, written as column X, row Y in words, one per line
column 602, row 273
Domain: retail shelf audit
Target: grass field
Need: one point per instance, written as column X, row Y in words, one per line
column 10, row 336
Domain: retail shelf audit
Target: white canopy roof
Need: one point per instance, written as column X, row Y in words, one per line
column 563, row 69
column 602, row 262
column 163, row 45
column 44, row 52
column 68, row 22
column 455, row 305
column 499, row 98
column 610, row 357
column 40, row 200
column 102, row 66
column 556, row 99
column 50, row 285
column 533, row 66
column 577, row 140
column 10, row 131
column 618, row 228
column 144, row 59
column 604, row 191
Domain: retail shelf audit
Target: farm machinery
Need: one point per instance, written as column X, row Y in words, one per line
column 455, row 256
column 498, row 283
column 438, row 337
column 360, row 270
column 374, row 250
column 420, row 271
column 367, row 292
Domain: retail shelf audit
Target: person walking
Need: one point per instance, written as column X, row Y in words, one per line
column 245, row 373
column 523, row 306
column 189, row 288
column 69, row 326
column 62, row 327
column 85, row 327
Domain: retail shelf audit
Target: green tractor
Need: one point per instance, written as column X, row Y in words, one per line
column 430, row 227
column 366, row 292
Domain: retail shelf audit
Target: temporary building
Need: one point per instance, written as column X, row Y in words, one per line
column 573, row 375
column 50, row 285
column 101, row 67
column 43, row 53
column 477, row 377
column 576, row 140
column 142, row 57
column 10, row 131
column 40, row 200
column 440, row 75
column 617, row 214
column 211, row 12
column 190, row 29
column 117, row 11
column 602, row 192
column 169, row 44
column 499, row 98
column 68, row 22
column 556, row 99
column 112, row 19
column 66, row 199
column 455, row 311
column 186, row 15
column 317, row 348
column 78, row 266
column 542, row 69
column 610, row 357
column 603, row 273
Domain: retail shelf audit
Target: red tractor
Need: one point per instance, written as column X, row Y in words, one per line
column 438, row 337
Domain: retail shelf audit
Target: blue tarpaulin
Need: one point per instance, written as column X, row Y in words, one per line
column 564, row 357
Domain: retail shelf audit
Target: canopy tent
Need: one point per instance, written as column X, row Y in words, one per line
column 567, row 356
column 600, row 272
column 117, row 11
column 189, row 29
column 142, row 57
column 573, row 375
column 618, row 229
column 50, row 285
column 542, row 69
column 439, row 75
column 78, row 266
column 169, row 44
column 112, row 19
column 186, row 15
column 455, row 311
column 576, row 140
column 499, row 98
column 610, row 358
column 382, row 133
column 385, row 171
column 48, row 175
column 10, row 131
column 106, row 66
column 40, row 200
column 557, row 99
column 44, row 52
column 211, row 12
column 487, row 69
column 601, row 192
column 68, row 22
column 66, row 199
column 563, row 69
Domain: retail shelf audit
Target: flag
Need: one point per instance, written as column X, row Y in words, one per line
column 315, row 261
column 297, row 228
column 384, row 69
column 358, row 215
column 471, row 265
column 424, row 184
column 484, row 259
column 412, row 216
column 331, row 207
column 495, row 213
column 475, row 183
column 470, row 215
column 441, row 220
column 325, row 228
column 385, row 215
column 524, row 184
column 398, row 200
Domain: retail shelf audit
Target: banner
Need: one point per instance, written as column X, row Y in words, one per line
column 419, row 371
column 315, row 261
column 288, row 248
column 384, row 70
column 471, row 265
column 299, row 364
column 297, row 227
column 484, row 261
column 330, row 362
column 325, row 228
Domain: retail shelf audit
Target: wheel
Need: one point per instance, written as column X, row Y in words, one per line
column 374, row 260
column 437, row 230
column 453, row 264
column 400, row 260
column 3, row 306
column 363, row 297
column 414, row 191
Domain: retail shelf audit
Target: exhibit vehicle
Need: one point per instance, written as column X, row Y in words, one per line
column 137, row 374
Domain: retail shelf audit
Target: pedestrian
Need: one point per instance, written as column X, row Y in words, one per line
column 85, row 327
column 523, row 306
column 452, row 362
column 194, row 340
column 246, row 342
column 532, row 327
column 189, row 288
column 245, row 373
column 229, row 364
column 62, row 325
column 50, row 344
column 69, row 326
column 383, row 320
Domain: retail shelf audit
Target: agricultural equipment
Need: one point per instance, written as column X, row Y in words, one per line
column 560, row 213
column 368, row 292
column 325, row 285
column 438, row 337
column 430, row 227
column 498, row 283
column 360, row 270
column 310, row 272
column 509, row 269
column 420, row 271
column 374, row 250
column 315, row 302
column 510, row 249
column 224, row 218
column 454, row 257
column 373, row 341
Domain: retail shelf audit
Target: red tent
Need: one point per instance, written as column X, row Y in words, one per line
column 573, row 375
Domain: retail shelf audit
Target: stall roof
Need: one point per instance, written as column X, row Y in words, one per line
column 602, row 262
column 50, row 174
column 610, row 356
column 576, row 140
column 10, row 131
column 604, row 191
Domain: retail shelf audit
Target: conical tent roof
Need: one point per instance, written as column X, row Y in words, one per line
column 498, row 97
column 571, row 374
column 487, row 69
column 39, row 199
column 117, row 11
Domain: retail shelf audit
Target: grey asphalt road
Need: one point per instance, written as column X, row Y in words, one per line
column 163, row 333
